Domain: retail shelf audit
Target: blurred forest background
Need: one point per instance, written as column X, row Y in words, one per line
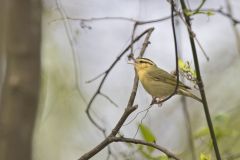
column 49, row 49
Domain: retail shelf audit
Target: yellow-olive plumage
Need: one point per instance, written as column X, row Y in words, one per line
column 158, row 82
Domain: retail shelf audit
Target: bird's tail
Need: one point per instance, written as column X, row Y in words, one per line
column 189, row 94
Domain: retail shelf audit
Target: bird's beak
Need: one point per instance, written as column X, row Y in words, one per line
column 131, row 63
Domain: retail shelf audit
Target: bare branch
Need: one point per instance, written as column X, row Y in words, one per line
column 176, row 56
column 200, row 83
column 68, row 30
column 136, row 116
column 145, row 115
column 95, row 78
column 109, row 99
column 137, row 141
column 194, row 36
column 115, row 18
column 229, row 9
column 203, row 51
column 228, row 15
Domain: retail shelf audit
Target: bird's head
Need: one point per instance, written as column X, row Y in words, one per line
column 142, row 64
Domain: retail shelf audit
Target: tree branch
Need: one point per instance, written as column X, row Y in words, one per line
column 200, row 83
column 137, row 141
column 112, row 137
column 234, row 27
column 176, row 56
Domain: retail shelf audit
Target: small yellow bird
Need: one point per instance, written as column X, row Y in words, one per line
column 157, row 82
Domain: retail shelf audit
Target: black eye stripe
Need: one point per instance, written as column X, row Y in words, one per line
column 145, row 62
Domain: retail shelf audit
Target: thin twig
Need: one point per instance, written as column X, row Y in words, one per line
column 176, row 56
column 200, row 84
column 137, row 141
column 68, row 30
column 186, row 113
column 195, row 37
column 96, row 77
column 132, row 38
column 236, row 33
column 136, row 116
column 139, row 22
column 109, row 99
column 202, row 49
column 145, row 115
column 189, row 128
column 228, row 15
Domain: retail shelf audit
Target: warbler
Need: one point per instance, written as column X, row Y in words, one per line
column 158, row 82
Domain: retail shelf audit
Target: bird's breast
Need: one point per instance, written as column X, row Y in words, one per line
column 153, row 87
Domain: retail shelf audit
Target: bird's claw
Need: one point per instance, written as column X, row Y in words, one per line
column 157, row 100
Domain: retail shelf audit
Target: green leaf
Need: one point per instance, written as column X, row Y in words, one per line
column 163, row 158
column 191, row 13
column 205, row 156
column 149, row 156
column 147, row 135
column 201, row 4
column 185, row 67
column 220, row 119
column 209, row 13
column 198, row 10
column 201, row 132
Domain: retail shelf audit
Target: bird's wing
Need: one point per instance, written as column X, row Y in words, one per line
column 161, row 75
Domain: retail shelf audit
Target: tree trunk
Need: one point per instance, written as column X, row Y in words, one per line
column 20, row 37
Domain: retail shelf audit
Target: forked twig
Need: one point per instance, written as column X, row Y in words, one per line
column 109, row 99
column 137, row 141
column 234, row 27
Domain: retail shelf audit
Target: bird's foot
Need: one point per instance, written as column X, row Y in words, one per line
column 157, row 100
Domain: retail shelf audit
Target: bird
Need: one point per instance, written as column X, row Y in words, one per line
column 158, row 82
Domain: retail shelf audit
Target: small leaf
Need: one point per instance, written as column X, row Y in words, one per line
column 147, row 133
column 205, row 157
column 181, row 64
column 163, row 158
column 201, row 133
column 220, row 118
column 149, row 156
column 209, row 13
column 187, row 71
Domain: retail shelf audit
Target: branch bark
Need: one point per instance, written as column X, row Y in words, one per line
column 137, row 141
column 200, row 83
